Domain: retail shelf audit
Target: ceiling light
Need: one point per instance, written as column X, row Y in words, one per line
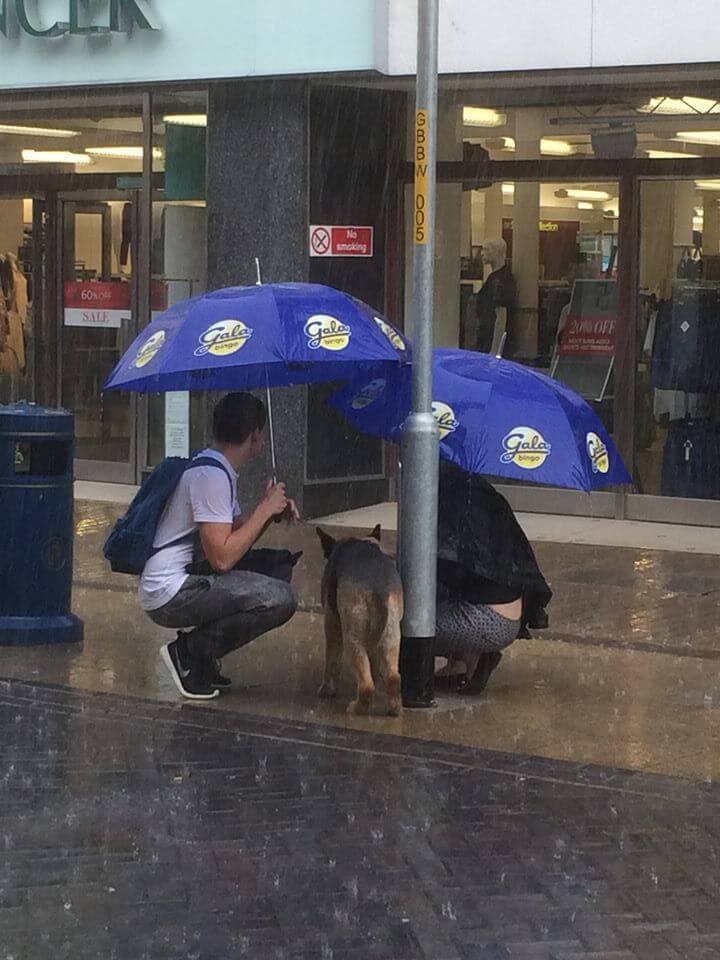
column 711, row 137
column 585, row 205
column 508, row 189
column 38, row 131
column 670, row 155
column 707, row 184
column 55, row 156
column 588, row 194
column 187, row 119
column 123, row 153
column 556, row 148
column 483, row 117
column 672, row 106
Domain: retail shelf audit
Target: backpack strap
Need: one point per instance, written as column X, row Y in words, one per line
column 196, row 462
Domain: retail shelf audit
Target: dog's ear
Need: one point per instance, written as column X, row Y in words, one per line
column 376, row 533
column 294, row 557
column 328, row 542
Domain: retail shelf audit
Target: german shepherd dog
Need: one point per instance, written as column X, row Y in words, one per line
column 363, row 602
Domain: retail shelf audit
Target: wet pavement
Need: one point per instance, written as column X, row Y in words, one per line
column 570, row 813
column 628, row 675
column 135, row 830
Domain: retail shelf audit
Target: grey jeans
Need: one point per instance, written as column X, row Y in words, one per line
column 227, row 610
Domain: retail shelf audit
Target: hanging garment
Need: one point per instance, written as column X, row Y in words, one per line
column 691, row 460
column 126, row 242
column 687, row 341
column 12, row 358
column 18, row 299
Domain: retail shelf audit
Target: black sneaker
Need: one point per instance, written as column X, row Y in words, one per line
column 218, row 680
column 194, row 682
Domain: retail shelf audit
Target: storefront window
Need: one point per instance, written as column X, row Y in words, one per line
column 176, row 421
column 677, row 423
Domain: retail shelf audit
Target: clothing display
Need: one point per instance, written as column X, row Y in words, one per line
column 499, row 290
column 13, row 316
column 683, row 341
column 691, row 461
column 686, row 344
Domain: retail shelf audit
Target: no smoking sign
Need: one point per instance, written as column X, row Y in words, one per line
column 334, row 241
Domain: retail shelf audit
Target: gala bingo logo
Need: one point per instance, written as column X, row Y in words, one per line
column 369, row 394
column 393, row 336
column 598, row 453
column 223, row 338
column 149, row 349
column 445, row 417
column 328, row 333
column 526, row 448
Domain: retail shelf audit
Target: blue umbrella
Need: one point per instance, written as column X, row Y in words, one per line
column 267, row 335
column 496, row 418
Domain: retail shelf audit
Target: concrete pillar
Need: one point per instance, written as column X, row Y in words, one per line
column 684, row 213
column 657, row 232
column 493, row 211
column 257, row 204
column 523, row 332
column 711, row 222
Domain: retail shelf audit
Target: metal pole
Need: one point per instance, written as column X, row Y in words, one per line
column 420, row 440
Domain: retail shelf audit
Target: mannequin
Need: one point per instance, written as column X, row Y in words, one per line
column 496, row 297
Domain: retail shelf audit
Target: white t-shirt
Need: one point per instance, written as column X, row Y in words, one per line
column 203, row 495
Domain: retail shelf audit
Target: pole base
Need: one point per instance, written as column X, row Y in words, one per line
column 417, row 672
column 32, row 631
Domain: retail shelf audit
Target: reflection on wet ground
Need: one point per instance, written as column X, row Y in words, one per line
column 134, row 829
column 628, row 675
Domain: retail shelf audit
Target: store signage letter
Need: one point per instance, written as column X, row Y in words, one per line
column 122, row 17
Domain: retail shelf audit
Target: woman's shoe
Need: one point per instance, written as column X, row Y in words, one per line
column 487, row 663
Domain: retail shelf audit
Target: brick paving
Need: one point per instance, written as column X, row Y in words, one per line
column 133, row 830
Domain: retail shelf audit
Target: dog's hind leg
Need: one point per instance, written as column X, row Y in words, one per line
column 333, row 655
column 389, row 650
column 366, row 686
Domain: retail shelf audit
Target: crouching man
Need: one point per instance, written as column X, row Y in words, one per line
column 221, row 607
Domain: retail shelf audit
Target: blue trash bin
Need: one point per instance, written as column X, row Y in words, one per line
column 36, row 526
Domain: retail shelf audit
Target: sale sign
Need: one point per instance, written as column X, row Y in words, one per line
column 588, row 336
column 590, row 326
column 96, row 304
column 104, row 304
column 334, row 241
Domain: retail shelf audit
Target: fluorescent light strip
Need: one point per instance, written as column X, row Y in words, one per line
column 548, row 147
column 187, row 119
column 56, row 156
column 585, row 205
column 122, row 153
column 707, row 184
column 483, row 117
column 709, row 137
column 670, row 155
column 672, row 106
column 21, row 131
column 588, row 194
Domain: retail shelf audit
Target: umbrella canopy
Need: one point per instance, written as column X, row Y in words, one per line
column 242, row 338
column 496, row 418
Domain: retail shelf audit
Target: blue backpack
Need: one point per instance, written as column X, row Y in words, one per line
column 130, row 543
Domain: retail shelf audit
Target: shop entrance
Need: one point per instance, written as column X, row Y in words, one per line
column 97, row 321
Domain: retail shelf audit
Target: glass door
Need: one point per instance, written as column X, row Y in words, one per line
column 98, row 321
